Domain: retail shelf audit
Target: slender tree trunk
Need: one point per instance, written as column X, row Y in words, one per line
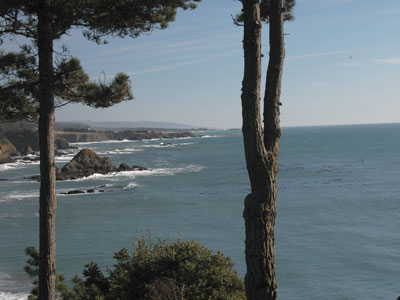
column 272, row 130
column 47, row 265
column 261, row 151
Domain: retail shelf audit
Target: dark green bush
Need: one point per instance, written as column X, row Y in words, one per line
column 160, row 270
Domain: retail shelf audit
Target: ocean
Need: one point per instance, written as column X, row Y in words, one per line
column 337, row 227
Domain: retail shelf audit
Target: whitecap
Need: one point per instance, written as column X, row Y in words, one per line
column 103, row 142
column 168, row 138
column 209, row 136
column 159, row 146
column 11, row 296
column 174, row 171
column 133, row 174
column 24, row 181
column 5, row 167
column 16, row 215
column 16, row 165
column 185, row 144
column 16, row 196
column 181, row 138
column 105, row 185
column 67, row 157
column 121, row 151
column 131, row 185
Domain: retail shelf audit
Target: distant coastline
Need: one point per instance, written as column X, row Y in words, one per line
column 22, row 139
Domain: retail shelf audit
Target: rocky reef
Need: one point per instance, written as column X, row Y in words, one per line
column 87, row 162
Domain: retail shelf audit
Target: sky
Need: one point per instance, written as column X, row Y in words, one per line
column 342, row 66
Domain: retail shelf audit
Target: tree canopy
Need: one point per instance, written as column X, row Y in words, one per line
column 19, row 89
column 99, row 17
column 19, row 76
column 265, row 11
column 154, row 270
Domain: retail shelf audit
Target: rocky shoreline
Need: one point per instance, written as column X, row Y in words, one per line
column 26, row 142
column 86, row 163
column 85, row 137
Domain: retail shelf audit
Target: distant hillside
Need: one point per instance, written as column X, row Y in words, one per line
column 68, row 125
column 143, row 124
column 88, row 126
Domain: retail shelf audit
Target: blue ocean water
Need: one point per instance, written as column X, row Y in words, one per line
column 338, row 205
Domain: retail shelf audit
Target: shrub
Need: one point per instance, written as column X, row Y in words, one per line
column 162, row 270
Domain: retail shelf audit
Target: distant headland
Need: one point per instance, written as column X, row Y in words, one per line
column 21, row 138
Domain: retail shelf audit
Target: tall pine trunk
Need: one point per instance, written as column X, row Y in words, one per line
column 261, row 150
column 47, row 265
column 272, row 130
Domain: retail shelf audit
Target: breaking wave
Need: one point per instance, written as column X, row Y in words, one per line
column 10, row 296
column 131, row 185
column 133, row 174
column 18, row 197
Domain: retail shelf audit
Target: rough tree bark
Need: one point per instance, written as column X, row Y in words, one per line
column 272, row 131
column 261, row 150
column 47, row 265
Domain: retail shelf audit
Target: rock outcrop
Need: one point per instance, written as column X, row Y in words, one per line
column 134, row 135
column 84, row 164
column 87, row 162
column 84, row 137
column 61, row 143
column 25, row 140
column 5, row 159
column 6, row 150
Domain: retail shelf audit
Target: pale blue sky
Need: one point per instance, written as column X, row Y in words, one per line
column 342, row 66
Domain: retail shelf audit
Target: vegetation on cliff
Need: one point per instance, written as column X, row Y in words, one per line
column 154, row 270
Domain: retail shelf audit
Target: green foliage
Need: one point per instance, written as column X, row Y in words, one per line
column 158, row 270
column 202, row 274
column 19, row 71
column 32, row 269
column 288, row 5
column 18, row 86
column 19, row 89
column 131, row 17
column 98, row 17
column 265, row 10
column 72, row 85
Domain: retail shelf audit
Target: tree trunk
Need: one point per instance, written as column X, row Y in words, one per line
column 272, row 130
column 47, row 265
column 261, row 151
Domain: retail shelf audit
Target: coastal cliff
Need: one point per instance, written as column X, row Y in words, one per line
column 82, row 137
column 26, row 141
column 6, row 150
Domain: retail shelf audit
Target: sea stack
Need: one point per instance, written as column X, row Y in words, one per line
column 87, row 162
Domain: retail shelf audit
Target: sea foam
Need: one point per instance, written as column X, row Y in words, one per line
column 10, row 296
column 133, row 174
